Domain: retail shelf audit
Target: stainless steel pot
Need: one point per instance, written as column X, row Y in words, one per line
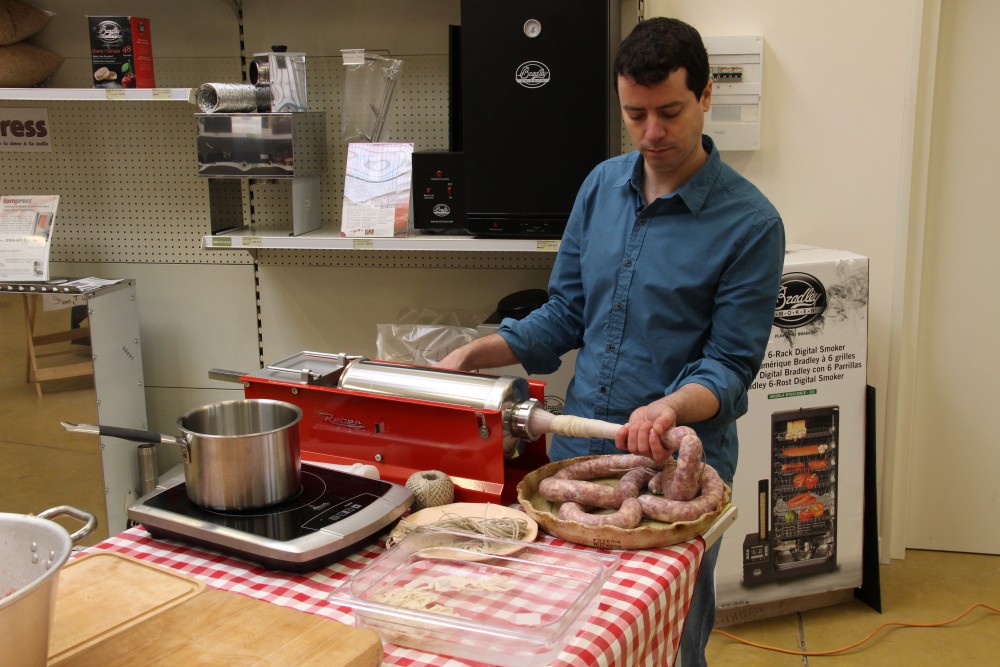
column 238, row 455
column 32, row 549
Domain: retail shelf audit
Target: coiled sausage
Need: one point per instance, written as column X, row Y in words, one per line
column 614, row 465
column 667, row 510
column 591, row 494
column 634, row 481
column 628, row 516
column 685, row 483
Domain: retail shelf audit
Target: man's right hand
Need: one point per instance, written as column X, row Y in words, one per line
column 645, row 430
column 490, row 351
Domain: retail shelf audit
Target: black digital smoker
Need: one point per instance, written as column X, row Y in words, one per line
column 532, row 110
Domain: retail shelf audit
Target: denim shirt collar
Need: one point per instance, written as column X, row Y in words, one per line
column 695, row 191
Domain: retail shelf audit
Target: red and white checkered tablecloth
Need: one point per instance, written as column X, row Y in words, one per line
column 638, row 621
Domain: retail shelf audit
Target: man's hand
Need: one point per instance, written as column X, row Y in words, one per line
column 648, row 425
column 490, row 351
column 453, row 361
column 645, row 429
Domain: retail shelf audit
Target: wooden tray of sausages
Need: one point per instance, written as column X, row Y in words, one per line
column 648, row 535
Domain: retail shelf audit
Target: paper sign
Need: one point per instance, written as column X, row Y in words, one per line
column 25, row 130
column 377, row 190
column 26, row 224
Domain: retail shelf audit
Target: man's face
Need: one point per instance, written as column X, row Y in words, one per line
column 665, row 121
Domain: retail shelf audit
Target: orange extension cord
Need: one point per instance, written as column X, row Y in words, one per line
column 861, row 641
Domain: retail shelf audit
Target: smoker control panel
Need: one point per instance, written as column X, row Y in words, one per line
column 438, row 192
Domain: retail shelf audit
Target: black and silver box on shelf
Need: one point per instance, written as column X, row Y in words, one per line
column 439, row 192
column 284, row 149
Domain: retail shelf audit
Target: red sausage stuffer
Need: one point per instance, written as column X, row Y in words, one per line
column 403, row 419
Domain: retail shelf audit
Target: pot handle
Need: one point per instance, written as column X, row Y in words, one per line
column 135, row 435
column 90, row 521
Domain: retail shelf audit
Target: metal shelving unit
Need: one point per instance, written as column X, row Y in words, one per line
column 331, row 240
column 98, row 94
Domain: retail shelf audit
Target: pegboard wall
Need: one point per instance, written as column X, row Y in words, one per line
column 126, row 171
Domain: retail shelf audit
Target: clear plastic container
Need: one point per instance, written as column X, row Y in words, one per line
column 486, row 599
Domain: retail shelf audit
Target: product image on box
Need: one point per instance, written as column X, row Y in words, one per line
column 801, row 498
column 121, row 52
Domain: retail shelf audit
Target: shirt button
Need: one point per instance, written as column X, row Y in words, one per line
column 603, row 390
column 628, row 262
column 619, row 306
column 642, row 221
column 611, row 348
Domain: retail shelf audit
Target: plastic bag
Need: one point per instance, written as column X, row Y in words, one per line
column 422, row 337
column 368, row 86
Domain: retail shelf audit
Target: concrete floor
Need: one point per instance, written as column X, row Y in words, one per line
column 44, row 466
column 925, row 587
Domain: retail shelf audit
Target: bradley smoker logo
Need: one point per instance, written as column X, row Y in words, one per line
column 109, row 32
column 801, row 300
column 441, row 210
column 532, row 74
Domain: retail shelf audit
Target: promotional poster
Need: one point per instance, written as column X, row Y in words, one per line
column 799, row 481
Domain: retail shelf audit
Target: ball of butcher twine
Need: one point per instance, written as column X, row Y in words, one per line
column 431, row 488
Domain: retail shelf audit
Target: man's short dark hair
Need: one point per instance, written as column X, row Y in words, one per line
column 656, row 48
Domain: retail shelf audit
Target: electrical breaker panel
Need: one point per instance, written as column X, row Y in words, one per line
column 736, row 64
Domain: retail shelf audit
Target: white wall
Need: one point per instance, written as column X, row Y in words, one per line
column 952, row 454
column 836, row 113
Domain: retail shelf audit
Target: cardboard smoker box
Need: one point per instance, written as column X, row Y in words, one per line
column 121, row 52
column 797, row 543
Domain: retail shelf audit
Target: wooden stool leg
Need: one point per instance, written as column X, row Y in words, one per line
column 30, row 310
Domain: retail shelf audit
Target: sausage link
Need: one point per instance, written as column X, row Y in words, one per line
column 634, row 481
column 668, row 510
column 662, row 479
column 689, row 468
column 672, row 439
column 613, row 465
column 591, row 494
column 629, row 516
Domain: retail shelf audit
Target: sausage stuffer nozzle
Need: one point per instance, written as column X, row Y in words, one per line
column 530, row 420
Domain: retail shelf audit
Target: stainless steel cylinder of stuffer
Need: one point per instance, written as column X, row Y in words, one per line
column 505, row 393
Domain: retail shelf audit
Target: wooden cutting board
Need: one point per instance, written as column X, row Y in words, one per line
column 206, row 627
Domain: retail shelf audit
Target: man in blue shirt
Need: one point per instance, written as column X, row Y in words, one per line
column 665, row 281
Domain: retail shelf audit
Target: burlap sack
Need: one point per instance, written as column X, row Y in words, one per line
column 19, row 21
column 26, row 65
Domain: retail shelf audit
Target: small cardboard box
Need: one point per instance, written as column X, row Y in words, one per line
column 121, row 52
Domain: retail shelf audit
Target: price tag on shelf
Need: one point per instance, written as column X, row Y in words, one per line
column 363, row 244
column 253, row 242
column 162, row 94
column 549, row 245
column 115, row 94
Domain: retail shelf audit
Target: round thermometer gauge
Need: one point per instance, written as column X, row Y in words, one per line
column 532, row 28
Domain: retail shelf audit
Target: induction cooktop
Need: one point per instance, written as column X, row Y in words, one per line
column 333, row 514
